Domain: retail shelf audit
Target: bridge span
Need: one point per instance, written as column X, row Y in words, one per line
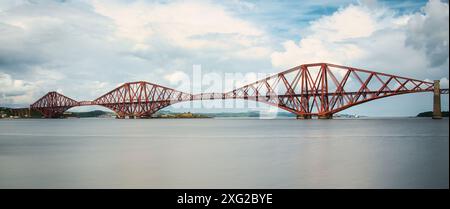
column 318, row 89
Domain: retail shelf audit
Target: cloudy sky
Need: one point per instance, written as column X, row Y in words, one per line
column 86, row 48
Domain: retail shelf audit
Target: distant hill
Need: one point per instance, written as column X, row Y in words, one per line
column 249, row 114
column 430, row 114
column 6, row 112
column 90, row 114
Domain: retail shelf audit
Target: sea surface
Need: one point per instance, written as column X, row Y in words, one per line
column 224, row 153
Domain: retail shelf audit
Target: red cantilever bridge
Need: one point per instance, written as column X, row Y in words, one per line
column 318, row 89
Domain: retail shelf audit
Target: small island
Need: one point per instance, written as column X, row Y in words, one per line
column 430, row 114
column 25, row 113
column 168, row 114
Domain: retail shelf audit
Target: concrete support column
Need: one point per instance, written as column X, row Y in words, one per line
column 328, row 116
column 437, row 114
column 303, row 117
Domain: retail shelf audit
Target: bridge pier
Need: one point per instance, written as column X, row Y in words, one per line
column 303, row 117
column 327, row 116
column 437, row 114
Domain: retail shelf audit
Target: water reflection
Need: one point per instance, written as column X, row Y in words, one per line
column 215, row 153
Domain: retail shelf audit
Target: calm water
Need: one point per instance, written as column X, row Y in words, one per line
column 224, row 153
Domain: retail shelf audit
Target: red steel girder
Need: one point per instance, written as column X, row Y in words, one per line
column 140, row 99
column 53, row 104
column 323, row 89
column 319, row 89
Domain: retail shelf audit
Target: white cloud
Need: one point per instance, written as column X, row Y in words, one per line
column 351, row 22
column 176, row 77
column 186, row 24
column 429, row 31
column 14, row 91
column 374, row 37
column 74, row 45
column 46, row 74
column 242, row 5
column 328, row 39
column 254, row 53
column 311, row 50
column 444, row 83
column 4, row 5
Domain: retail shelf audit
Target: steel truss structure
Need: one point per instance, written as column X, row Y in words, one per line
column 318, row 89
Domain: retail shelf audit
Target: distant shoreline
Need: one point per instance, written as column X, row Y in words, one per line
column 430, row 114
column 165, row 114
